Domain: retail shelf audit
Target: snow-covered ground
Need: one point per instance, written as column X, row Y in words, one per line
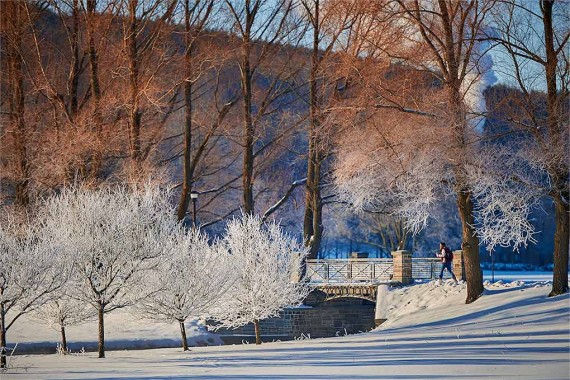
column 513, row 332
column 517, row 275
column 122, row 331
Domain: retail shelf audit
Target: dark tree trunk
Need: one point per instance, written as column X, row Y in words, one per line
column 135, row 112
column 183, row 336
column 101, row 317
column 257, row 331
column 14, row 17
column 470, row 247
column 559, row 177
column 3, row 343
column 188, row 172
column 63, row 338
column 312, row 224
column 96, row 160
column 75, row 67
column 561, row 245
column 248, row 204
column 308, row 216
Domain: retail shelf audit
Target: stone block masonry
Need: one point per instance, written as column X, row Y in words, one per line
column 402, row 267
column 326, row 319
column 459, row 265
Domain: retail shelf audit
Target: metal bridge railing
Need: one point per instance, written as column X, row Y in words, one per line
column 427, row 269
column 368, row 270
column 349, row 270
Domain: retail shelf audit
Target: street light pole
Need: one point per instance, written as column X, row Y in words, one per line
column 194, row 197
column 492, row 267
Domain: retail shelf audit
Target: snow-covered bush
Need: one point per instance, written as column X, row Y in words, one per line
column 266, row 262
column 191, row 278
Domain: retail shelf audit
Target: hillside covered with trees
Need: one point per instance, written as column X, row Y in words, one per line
column 357, row 125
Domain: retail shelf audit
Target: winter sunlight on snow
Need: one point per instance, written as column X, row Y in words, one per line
column 430, row 334
column 284, row 189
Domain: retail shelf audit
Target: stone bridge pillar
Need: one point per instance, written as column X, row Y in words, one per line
column 402, row 267
column 459, row 265
column 381, row 312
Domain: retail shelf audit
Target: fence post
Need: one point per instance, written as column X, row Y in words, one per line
column 402, row 261
column 459, row 265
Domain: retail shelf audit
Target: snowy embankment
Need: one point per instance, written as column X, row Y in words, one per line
column 514, row 331
column 123, row 330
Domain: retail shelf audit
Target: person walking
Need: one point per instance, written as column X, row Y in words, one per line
column 446, row 257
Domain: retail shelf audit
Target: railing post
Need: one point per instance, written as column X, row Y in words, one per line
column 459, row 265
column 402, row 261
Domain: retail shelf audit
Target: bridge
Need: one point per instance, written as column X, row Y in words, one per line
column 348, row 296
column 360, row 277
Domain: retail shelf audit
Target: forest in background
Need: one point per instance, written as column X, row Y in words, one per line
column 246, row 103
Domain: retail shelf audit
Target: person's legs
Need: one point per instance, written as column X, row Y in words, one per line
column 448, row 266
column 441, row 272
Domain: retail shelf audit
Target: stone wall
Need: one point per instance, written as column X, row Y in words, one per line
column 325, row 319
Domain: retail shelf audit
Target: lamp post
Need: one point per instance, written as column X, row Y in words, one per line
column 492, row 267
column 194, row 197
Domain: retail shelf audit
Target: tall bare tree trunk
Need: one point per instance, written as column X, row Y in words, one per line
column 75, row 67
column 559, row 177
column 188, row 172
column 96, row 160
column 248, row 139
column 183, row 336
column 3, row 343
column 101, row 318
column 134, row 112
column 561, row 243
column 312, row 224
column 15, row 13
column 257, row 331
column 458, row 116
column 470, row 247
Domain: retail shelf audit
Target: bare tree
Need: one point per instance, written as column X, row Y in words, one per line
column 535, row 38
column 327, row 20
column 262, row 28
column 196, row 17
column 14, row 29
column 147, row 51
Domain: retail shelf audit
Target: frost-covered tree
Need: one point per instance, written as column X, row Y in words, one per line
column 191, row 278
column 62, row 311
column 266, row 262
column 29, row 273
column 114, row 238
column 431, row 156
column 534, row 37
